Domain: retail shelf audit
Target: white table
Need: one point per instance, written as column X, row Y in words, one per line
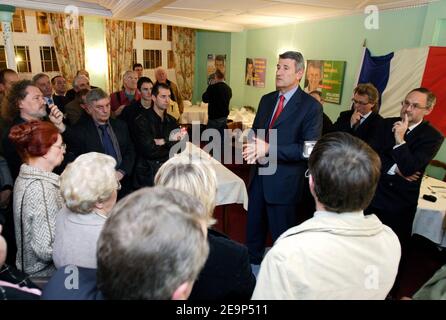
column 195, row 113
column 230, row 187
column 429, row 219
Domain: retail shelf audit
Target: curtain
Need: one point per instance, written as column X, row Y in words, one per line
column 68, row 37
column 183, row 47
column 119, row 38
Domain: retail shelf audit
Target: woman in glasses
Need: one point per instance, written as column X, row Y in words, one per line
column 36, row 194
column 89, row 188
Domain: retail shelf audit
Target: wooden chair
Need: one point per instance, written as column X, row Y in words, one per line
column 439, row 164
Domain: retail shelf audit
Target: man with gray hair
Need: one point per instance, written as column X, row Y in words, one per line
column 152, row 247
column 120, row 99
column 161, row 77
column 80, row 82
column 293, row 117
column 100, row 133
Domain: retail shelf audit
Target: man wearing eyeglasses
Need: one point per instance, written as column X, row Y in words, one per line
column 363, row 120
column 406, row 146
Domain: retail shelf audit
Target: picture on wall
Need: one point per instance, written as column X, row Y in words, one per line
column 255, row 72
column 214, row 62
column 326, row 76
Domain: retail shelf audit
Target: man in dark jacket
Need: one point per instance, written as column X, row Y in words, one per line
column 154, row 131
column 363, row 120
column 100, row 133
column 217, row 95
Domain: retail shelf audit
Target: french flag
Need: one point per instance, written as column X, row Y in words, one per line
column 396, row 73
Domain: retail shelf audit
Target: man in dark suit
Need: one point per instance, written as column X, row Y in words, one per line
column 294, row 117
column 363, row 120
column 100, row 133
column 406, row 146
column 59, row 85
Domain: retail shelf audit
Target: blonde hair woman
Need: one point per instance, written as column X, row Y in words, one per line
column 227, row 273
column 89, row 188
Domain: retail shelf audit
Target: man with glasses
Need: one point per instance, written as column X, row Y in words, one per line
column 362, row 120
column 406, row 146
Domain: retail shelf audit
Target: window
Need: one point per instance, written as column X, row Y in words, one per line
column 18, row 21
column 170, row 60
column 42, row 23
column 134, row 60
column 151, row 31
column 169, row 33
column 48, row 59
column 151, row 59
column 22, row 58
column 2, row 58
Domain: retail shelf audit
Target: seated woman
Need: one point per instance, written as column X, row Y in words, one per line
column 36, row 195
column 89, row 187
column 227, row 273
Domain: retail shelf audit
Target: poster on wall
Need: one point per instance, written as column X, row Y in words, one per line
column 326, row 76
column 255, row 72
column 214, row 62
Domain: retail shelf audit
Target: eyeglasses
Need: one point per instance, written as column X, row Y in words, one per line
column 360, row 102
column 119, row 185
column 407, row 104
column 63, row 146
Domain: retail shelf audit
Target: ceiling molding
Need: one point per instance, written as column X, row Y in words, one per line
column 84, row 8
column 191, row 23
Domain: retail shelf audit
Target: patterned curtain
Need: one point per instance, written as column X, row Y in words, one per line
column 183, row 47
column 68, row 37
column 119, row 38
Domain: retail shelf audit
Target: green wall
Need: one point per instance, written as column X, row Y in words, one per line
column 209, row 42
column 96, row 51
column 331, row 39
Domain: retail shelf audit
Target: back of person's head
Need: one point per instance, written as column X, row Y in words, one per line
column 88, row 180
column 136, row 65
column 219, row 75
column 83, row 72
column 33, row 139
column 369, row 90
column 152, row 246
column 143, row 80
column 196, row 177
column 431, row 99
column 156, row 88
column 298, row 58
column 317, row 93
column 95, row 95
column 345, row 172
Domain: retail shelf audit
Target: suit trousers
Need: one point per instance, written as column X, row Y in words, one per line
column 261, row 215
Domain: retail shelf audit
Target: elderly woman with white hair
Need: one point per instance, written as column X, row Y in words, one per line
column 89, row 188
column 227, row 273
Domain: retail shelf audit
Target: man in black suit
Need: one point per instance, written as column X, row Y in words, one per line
column 406, row 146
column 100, row 133
column 59, row 85
column 363, row 120
column 294, row 117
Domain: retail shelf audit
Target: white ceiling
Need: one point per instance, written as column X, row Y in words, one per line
column 221, row 15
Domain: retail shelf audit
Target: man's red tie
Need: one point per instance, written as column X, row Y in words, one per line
column 278, row 111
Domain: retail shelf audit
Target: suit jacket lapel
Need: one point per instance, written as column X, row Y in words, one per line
column 290, row 107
